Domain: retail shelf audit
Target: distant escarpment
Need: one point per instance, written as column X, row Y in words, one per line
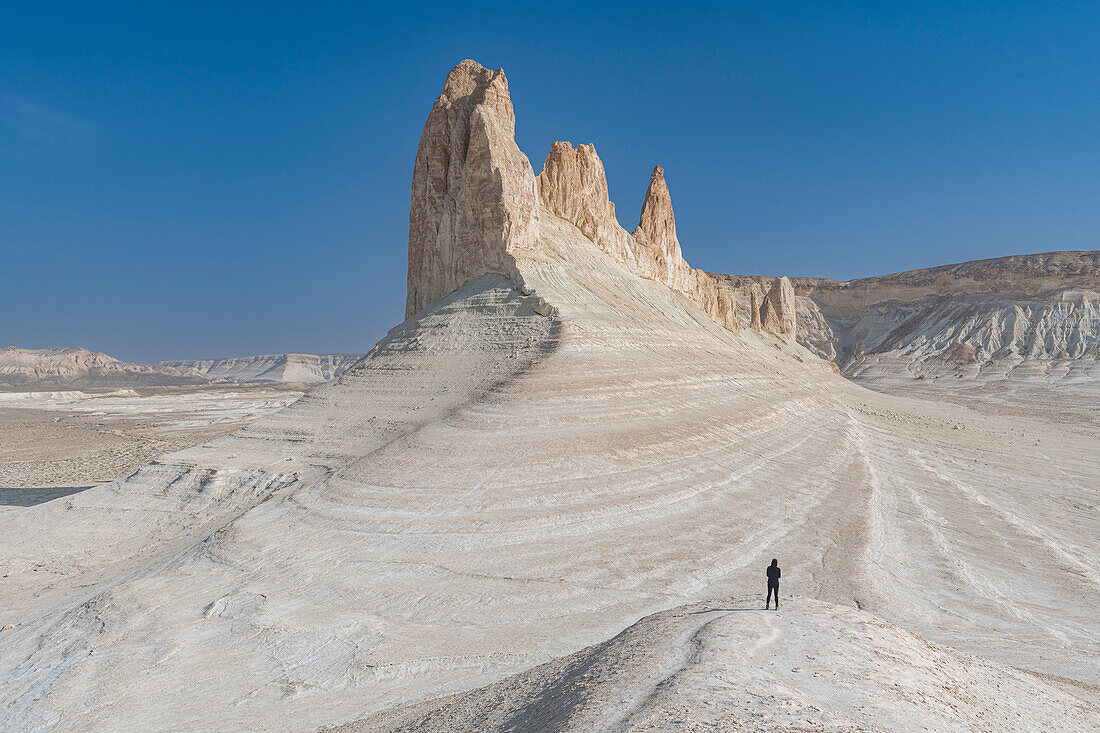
column 1023, row 315
column 32, row 370
column 476, row 201
column 74, row 368
column 284, row 368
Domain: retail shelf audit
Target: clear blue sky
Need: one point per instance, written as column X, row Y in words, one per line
column 194, row 180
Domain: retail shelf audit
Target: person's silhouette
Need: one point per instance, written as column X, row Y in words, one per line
column 773, row 584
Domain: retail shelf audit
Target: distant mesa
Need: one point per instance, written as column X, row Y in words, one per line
column 282, row 368
column 23, row 370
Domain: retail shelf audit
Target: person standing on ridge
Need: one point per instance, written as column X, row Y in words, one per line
column 773, row 584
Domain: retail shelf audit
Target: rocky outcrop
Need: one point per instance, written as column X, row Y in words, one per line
column 474, row 196
column 658, row 246
column 756, row 296
column 475, row 201
column 778, row 312
column 75, row 368
column 573, row 185
column 658, row 255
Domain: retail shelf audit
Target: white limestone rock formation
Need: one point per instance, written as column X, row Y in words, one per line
column 756, row 298
column 573, row 185
column 778, row 312
column 475, row 201
column 1029, row 319
column 474, row 196
column 73, row 367
column 283, row 368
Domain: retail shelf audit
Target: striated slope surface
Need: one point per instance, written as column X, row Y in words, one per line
column 730, row 667
column 298, row 368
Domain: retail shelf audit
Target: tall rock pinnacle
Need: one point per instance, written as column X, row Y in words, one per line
column 778, row 313
column 656, row 233
column 474, row 196
column 756, row 295
column 476, row 203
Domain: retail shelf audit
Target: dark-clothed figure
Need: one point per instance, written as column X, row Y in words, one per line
column 773, row 584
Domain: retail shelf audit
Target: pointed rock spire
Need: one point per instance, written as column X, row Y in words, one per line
column 756, row 294
column 474, row 196
column 657, row 224
column 778, row 312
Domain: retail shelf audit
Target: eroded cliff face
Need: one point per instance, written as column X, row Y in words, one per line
column 756, row 297
column 573, row 185
column 778, row 311
column 476, row 201
column 474, row 196
column 1031, row 318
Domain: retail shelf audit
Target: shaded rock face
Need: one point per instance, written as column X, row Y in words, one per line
column 778, row 312
column 473, row 193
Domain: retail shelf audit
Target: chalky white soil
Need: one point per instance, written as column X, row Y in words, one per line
column 492, row 488
column 55, row 443
column 735, row 667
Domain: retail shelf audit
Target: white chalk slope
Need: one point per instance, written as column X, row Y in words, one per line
column 733, row 667
column 298, row 368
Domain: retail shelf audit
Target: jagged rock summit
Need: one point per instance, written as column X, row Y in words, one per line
column 476, row 200
column 473, row 191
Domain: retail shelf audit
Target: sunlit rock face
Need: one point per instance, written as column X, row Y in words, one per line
column 659, row 257
column 756, row 296
column 473, row 193
column 475, row 201
column 573, row 185
column 778, row 312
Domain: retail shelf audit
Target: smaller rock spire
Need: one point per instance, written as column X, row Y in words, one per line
column 756, row 295
column 778, row 311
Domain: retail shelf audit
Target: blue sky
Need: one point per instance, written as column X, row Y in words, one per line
column 197, row 180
